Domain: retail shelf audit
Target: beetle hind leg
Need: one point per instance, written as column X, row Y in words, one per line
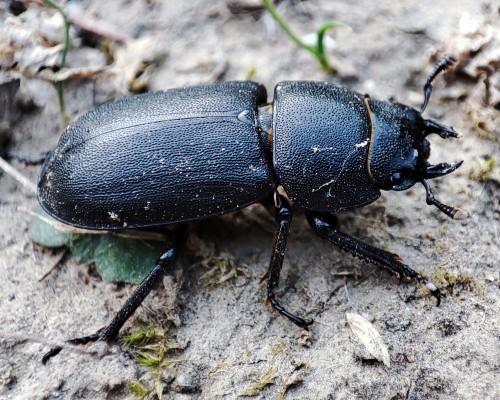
column 109, row 332
column 324, row 225
column 283, row 217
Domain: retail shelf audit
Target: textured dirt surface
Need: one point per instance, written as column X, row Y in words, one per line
column 231, row 337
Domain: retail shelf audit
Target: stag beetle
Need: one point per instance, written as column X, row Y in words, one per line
column 181, row 155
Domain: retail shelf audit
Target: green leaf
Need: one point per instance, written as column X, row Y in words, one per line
column 84, row 246
column 45, row 234
column 117, row 259
column 125, row 260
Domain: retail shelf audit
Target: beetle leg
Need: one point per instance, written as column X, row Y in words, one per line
column 284, row 217
column 324, row 226
column 109, row 332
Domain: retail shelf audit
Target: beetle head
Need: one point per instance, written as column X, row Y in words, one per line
column 399, row 150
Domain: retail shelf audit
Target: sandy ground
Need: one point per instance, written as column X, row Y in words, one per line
column 231, row 337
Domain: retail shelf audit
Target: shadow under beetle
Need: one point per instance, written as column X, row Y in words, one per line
column 187, row 154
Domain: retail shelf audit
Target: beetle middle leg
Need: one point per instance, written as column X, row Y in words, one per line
column 325, row 226
column 110, row 332
column 283, row 217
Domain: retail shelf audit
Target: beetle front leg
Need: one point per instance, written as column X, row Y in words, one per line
column 109, row 332
column 324, row 225
column 283, row 217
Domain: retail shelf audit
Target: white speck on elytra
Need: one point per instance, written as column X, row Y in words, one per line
column 317, row 149
column 332, row 181
column 113, row 215
column 362, row 144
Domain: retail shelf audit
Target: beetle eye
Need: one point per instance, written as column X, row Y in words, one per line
column 396, row 178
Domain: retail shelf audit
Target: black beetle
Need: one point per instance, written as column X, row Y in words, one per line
column 180, row 155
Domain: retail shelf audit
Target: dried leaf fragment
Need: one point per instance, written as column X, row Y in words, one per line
column 369, row 337
column 475, row 42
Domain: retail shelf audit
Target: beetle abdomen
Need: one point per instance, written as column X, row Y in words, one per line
column 159, row 158
column 321, row 144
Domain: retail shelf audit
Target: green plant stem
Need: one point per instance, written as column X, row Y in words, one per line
column 56, row 7
column 319, row 49
column 268, row 4
column 62, row 64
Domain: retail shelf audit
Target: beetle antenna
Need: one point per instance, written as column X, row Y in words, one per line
column 443, row 64
column 452, row 212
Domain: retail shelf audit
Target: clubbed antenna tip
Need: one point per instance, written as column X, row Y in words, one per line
column 453, row 212
column 443, row 64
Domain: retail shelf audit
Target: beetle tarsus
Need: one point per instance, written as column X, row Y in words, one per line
column 54, row 351
column 324, row 225
column 111, row 331
column 300, row 322
column 284, row 217
column 435, row 291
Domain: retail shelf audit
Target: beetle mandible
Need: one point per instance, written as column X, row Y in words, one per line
column 180, row 155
